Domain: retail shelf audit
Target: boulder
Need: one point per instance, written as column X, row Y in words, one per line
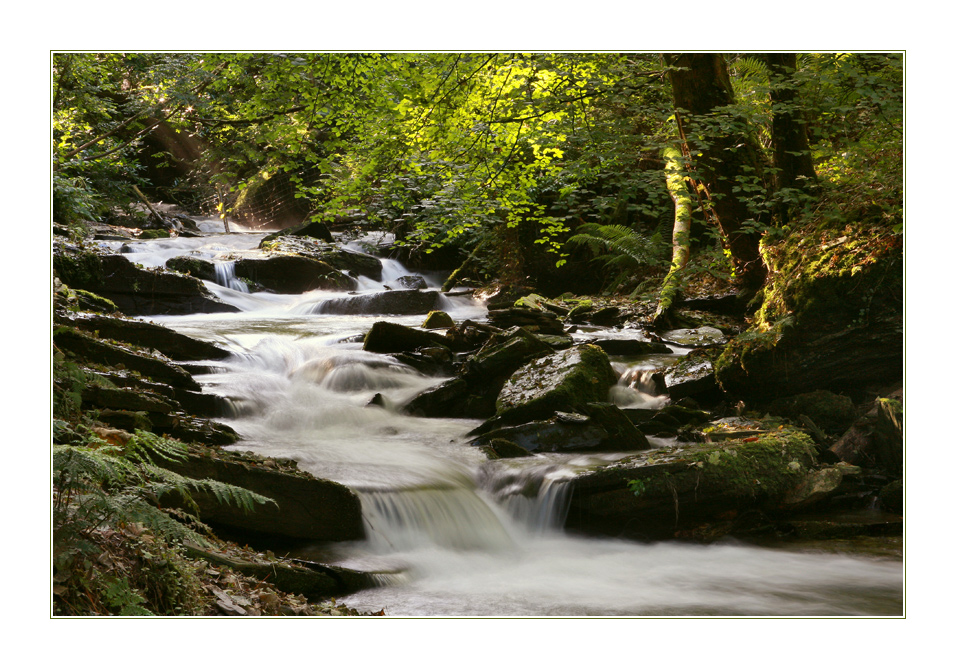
column 137, row 291
column 392, row 302
column 194, row 266
column 436, row 320
column 666, row 494
column 603, row 428
column 344, row 260
column 289, row 274
column 306, row 507
column 564, row 381
column 388, row 337
column 474, row 392
column 409, row 283
column 692, row 376
column 630, row 346
column 534, row 320
column 314, row 229
column 700, row 337
column 831, row 316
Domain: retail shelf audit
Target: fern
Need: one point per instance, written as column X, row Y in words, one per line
column 620, row 248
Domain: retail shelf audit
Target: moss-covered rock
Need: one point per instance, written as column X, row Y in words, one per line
column 662, row 494
column 436, row 320
column 564, row 381
column 831, row 315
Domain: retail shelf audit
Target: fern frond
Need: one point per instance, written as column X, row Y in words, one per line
column 144, row 447
column 617, row 241
column 232, row 495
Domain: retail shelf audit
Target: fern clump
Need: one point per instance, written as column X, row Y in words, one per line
column 120, row 519
column 622, row 250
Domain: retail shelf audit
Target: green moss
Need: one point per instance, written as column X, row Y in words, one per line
column 766, row 468
column 154, row 234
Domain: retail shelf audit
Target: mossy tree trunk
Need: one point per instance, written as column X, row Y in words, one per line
column 677, row 187
column 727, row 162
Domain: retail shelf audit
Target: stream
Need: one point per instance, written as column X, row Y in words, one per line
column 451, row 533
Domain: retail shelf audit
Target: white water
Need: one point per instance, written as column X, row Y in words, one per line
column 465, row 536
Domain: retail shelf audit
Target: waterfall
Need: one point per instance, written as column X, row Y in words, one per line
column 226, row 276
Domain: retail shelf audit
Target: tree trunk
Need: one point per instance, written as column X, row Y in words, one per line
column 791, row 147
column 727, row 161
column 677, row 187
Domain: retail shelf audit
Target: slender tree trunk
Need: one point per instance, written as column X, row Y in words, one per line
column 726, row 157
column 677, row 187
column 792, row 160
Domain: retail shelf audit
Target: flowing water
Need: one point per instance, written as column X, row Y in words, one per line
column 451, row 533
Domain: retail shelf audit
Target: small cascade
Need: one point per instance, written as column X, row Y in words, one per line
column 226, row 276
column 456, row 518
column 638, row 386
column 536, row 496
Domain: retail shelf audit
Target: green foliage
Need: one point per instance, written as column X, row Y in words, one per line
column 101, row 490
column 621, row 249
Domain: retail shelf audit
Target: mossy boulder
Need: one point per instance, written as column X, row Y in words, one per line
column 306, row 507
column 314, row 229
column 436, row 320
column 194, row 266
column 563, row 381
column 831, row 315
column 667, row 493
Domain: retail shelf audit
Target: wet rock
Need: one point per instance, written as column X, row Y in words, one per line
column 534, row 320
column 700, row 337
column 95, row 351
column 306, row 507
column 436, row 320
column 473, row 393
column 891, row 497
column 314, row 229
column 630, row 346
column 535, row 301
column 147, row 335
column 342, row 259
column 692, row 376
column 194, row 266
column 388, row 337
column 603, row 428
column 134, row 290
column 409, row 283
column 502, row 448
column 289, row 274
column 393, row 302
column 607, row 317
column 563, row 381
column 663, row 494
